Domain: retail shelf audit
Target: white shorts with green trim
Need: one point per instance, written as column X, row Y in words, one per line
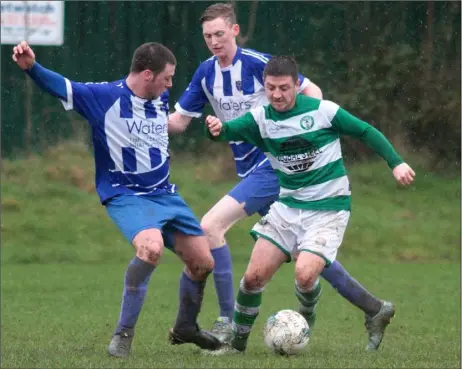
column 294, row 230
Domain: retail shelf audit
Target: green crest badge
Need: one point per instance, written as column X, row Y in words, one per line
column 307, row 122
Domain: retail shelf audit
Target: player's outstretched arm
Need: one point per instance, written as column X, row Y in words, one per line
column 350, row 125
column 244, row 128
column 375, row 139
column 177, row 123
column 52, row 82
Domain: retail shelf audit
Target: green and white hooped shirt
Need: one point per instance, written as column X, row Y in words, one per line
column 303, row 146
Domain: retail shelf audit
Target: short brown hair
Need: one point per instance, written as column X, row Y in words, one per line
column 152, row 56
column 219, row 10
column 279, row 66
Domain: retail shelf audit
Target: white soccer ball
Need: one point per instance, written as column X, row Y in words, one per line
column 286, row 332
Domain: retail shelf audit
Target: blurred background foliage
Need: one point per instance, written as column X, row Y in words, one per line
column 395, row 65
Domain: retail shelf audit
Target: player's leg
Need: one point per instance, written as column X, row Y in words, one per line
column 195, row 254
column 218, row 220
column 265, row 260
column 307, row 287
column 275, row 243
column 131, row 215
column 253, row 194
column 191, row 246
column 322, row 235
column 351, row 289
column 378, row 313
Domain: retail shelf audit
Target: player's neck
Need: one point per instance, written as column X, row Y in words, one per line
column 227, row 60
column 292, row 105
column 136, row 87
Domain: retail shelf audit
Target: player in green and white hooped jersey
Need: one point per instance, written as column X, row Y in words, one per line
column 301, row 137
column 231, row 81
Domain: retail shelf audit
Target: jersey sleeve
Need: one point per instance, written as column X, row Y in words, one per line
column 347, row 124
column 259, row 63
column 304, row 82
column 81, row 97
column 244, row 128
column 193, row 99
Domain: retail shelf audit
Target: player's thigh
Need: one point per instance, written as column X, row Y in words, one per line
column 222, row 216
column 195, row 253
column 307, row 268
column 183, row 233
column 257, row 191
column 323, row 233
column 278, row 226
column 265, row 260
column 140, row 220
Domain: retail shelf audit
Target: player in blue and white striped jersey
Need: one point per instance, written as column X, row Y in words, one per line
column 232, row 82
column 128, row 118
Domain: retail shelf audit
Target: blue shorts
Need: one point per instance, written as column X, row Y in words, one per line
column 166, row 212
column 259, row 190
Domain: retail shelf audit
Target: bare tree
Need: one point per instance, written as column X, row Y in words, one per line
column 242, row 40
column 428, row 48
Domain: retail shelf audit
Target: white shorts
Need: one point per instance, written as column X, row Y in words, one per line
column 295, row 230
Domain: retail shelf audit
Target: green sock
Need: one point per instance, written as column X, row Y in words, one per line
column 246, row 310
column 308, row 301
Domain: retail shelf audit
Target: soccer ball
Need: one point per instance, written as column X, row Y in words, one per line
column 286, row 332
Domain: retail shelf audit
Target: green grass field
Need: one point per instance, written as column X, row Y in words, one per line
column 62, row 316
column 63, row 263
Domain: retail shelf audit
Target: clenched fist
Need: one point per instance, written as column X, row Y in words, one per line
column 23, row 55
column 214, row 125
column 403, row 174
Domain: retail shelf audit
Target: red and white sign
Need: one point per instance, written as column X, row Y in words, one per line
column 37, row 22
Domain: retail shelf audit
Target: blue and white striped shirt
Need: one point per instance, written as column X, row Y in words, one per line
column 130, row 134
column 232, row 91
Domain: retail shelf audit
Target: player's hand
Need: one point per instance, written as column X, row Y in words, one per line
column 403, row 174
column 214, row 125
column 23, row 55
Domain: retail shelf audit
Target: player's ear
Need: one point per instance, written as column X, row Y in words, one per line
column 148, row 75
column 236, row 29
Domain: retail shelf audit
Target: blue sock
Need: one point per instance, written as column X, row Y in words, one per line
column 223, row 278
column 351, row 289
column 191, row 294
column 136, row 282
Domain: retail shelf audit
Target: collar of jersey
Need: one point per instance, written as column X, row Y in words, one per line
column 235, row 59
column 133, row 94
column 272, row 113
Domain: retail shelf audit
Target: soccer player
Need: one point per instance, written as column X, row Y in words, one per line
column 232, row 82
column 129, row 123
column 300, row 136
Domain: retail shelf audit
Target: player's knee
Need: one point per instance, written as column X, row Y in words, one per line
column 149, row 247
column 150, row 253
column 212, row 229
column 305, row 279
column 253, row 281
column 201, row 268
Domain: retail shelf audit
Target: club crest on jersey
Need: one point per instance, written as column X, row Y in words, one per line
column 239, row 85
column 307, row 122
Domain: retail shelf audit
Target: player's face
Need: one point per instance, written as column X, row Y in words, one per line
column 220, row 37
column 281, row 92
column 161, row 81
